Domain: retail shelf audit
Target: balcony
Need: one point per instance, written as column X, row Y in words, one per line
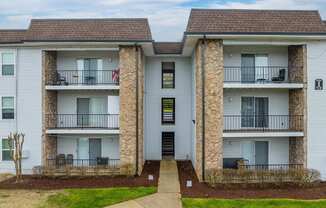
column 259, row 76
column 84, row 79
column 82, row 123
column 274, row 125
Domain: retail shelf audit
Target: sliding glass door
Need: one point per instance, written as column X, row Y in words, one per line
column 254, row 112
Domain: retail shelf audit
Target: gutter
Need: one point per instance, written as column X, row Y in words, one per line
column 203, row 49
column 137, row 106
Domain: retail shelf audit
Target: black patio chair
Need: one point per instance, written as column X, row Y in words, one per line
column 280, row 77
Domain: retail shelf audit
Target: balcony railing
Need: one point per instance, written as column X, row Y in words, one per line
column 258, row 74
column 272, row 167
column 84, row 77
column 263, row 123
column 102, row 162
column 101, row 121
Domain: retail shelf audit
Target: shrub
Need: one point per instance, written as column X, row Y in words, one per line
column 300, row 176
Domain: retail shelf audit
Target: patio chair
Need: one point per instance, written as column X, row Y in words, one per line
column 61, row 80
column 70, row 159
column 102, row 161
column 280, row 77
column 60, row 160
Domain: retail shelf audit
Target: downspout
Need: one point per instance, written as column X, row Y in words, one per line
column 137, row 113
column 203, row 49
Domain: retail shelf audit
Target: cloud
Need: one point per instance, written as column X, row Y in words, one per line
column 167, row 18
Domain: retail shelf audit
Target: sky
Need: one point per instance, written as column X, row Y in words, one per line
column 167, row 18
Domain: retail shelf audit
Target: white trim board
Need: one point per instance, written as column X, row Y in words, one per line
column 262, row 134
column 264, row 86
column 82, row 87
column 82, row 131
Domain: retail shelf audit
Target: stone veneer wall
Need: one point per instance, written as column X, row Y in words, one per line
column 49, row 104
column 214, row 77
column 129, row 56
column 298, row 103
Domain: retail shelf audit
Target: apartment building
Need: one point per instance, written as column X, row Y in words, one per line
column 242, row 85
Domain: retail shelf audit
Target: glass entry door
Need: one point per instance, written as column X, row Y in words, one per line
column 83, row 111
column 247, row 68
column 261, row 152
column 254, row 112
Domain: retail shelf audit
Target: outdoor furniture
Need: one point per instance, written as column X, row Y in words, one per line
column 231, row 163
column 70, row 159
column 61, row 80
column 102, row 161
column 60, row 160
column 280, row 77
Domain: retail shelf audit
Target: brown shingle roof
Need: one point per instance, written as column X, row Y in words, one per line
column 11, row 36
column 254, row 21
column 135, row 29
column 168, row 47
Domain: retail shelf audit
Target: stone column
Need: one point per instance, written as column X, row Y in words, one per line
column 130, row 57
column 49, row 104
column 298, row 103
column 209, row 60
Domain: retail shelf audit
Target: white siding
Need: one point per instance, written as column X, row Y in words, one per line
column 67, row 101
column 153, row 95
column 28, row 107
column 67, row 60
column 278, row 148
column 278, row 100
column 110, row 145
column 317, row 107
column 277, row 55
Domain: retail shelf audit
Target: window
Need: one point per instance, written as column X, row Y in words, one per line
column 8, row 108
column 6, row 153
column 8, row 64
column 168, row 110
column 168, row 73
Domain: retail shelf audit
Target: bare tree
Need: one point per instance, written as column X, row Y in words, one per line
column 16, row 142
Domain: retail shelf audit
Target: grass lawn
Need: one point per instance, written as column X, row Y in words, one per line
column 254, row 203
column 95, row 198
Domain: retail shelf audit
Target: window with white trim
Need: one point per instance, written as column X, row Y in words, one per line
column 8, row 108
column 8, row 64
column 5, row 149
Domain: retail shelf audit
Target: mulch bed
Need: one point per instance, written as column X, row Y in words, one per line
column 237, row 191
column 48, row 183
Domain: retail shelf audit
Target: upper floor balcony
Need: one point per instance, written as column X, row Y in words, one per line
column 82, row 70
column 82, row 123
column 262, row 66
column 260, row 124
column 84, row 77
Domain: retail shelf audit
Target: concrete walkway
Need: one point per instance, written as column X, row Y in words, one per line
column 168, row 192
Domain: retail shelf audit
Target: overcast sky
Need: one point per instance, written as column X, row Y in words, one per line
column 167, row 18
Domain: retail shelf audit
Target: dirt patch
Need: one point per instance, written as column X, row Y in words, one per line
column 5, row 176
column 23, row 198
column 50, row 183
column 292, row 191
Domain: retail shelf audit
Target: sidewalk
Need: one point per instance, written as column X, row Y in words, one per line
column 168, row 194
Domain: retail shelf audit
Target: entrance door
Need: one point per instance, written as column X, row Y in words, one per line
column 83, row 112
column 247, row 68
column 95, row 150
column 168, row 144
column 261, row 152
